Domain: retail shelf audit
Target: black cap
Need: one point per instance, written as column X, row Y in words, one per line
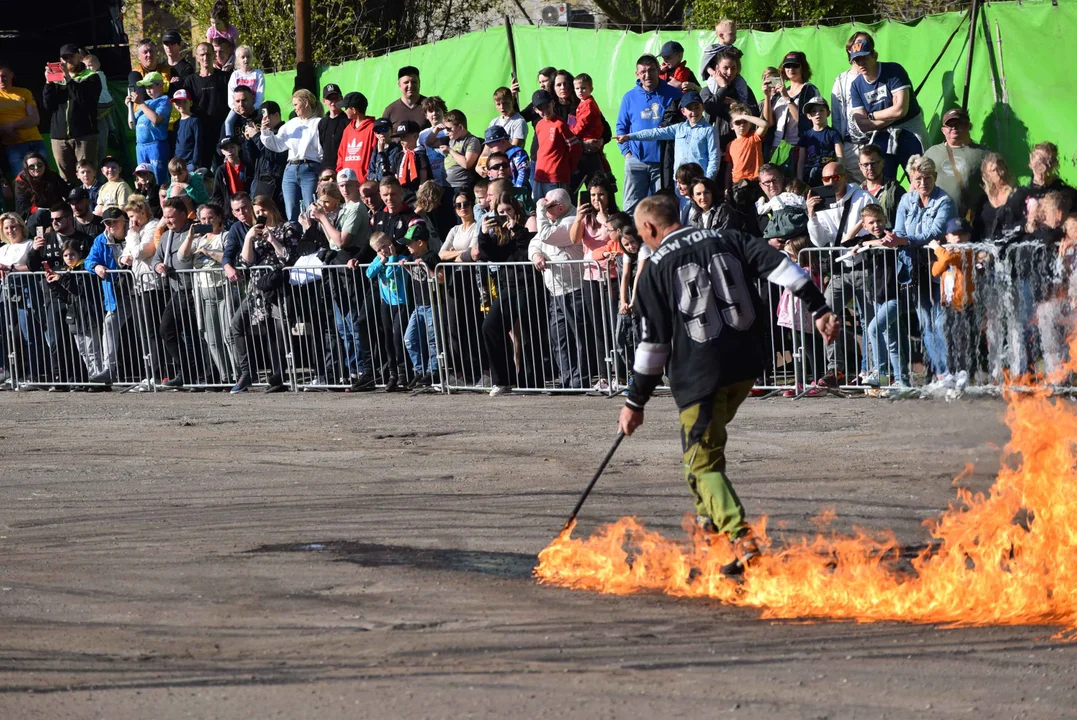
column 69, row 49
column 382, row 126
column 271, row 107
column 406, row 71
column 228, row 140
column 110, row 159
column 495, row 133
column 78, row 195
column 113, row 213
column 540, row 97
column 171, row 37
column 330, row 90
column 356, row 100
column 406, row 127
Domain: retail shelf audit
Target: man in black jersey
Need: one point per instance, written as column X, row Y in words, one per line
column 701, row 315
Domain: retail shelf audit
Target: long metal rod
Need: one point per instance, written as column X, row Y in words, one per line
column 972, row 46
column 591, row 485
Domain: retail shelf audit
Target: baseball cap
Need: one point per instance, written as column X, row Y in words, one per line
column 180, row 95
column 817, row 100
column 495, row 133
column 113, row 213
column 226, row 141
column 270, row 107
column 405, row 127
column 110, row 159
column 861, row 48
column 382, row 126
column 407, row 71
column 171, row 37
column 957, row 225
column 417, row 231
column 356, row 100
column 540, row 97
column 330, row 90
column 347, row 175
column 671, row 48
column 791, row 59
column 68, row 49
column 144, row 168
column 958, row 114
column 78, row 195
column 690, row 97
column 151, row 79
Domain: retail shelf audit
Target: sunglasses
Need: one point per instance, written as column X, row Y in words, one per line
column 328, row 178
column 461, row 205
column 499, row 166
column 830, row 178
column 36, row 166
column 793, row 65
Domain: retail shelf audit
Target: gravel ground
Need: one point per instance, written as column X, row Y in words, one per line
column 329, row 555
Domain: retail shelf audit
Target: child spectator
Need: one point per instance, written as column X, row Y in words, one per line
column 399, row 158
column 219, row 24
column 588, row 125
column 79, row 306
column 745, row 153
column 246, row 76
column 558, row 149
column 885, row 328
column 232, row 176
column 393, row 307
column 956, row 269
column 624, row 246
column 707, row 213
column 184, row 180
column 776, row 108
column 435, row 110
column 91, row 182
column 419, row 338
column 114, row 192
column 693, row 141
column 673, row 69
column 821, row 144
column 793, row 315
column 188, row 134
column 104, row 103
column 508, row 118
column 503, row 151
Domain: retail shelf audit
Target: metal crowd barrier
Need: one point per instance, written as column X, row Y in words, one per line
column 470, row 326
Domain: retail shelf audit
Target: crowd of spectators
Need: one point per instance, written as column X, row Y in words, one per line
column 244, row 222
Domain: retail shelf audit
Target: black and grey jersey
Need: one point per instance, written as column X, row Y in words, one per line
column 701, row 311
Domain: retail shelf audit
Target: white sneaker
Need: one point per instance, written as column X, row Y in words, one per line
column 961, row 380
column 142, row 387
column 947, row 381
column 602, row 385
column 500, row 390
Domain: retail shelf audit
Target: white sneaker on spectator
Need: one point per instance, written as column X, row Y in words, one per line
column 500, row 390
column 961, row 380
column 870, row 379
column 947, row 381
column 602, row 385
column 143, row 386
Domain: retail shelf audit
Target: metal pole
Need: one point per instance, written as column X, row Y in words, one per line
column 972, row 46
column 591, row 485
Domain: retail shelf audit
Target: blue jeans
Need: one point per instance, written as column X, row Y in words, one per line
column 420, row 324
column 14, row 154
column 156, row 154
column 641, row 180
column 300, row 183
column 348, row 329
column 933, row 331
column 886, row 330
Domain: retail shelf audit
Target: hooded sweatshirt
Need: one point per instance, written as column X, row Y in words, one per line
column 643, row 110
column 357, row 145
column 73, row 105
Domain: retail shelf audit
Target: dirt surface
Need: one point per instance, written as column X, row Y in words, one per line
column 330, row 556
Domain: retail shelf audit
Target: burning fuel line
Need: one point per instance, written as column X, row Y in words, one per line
column 1004, row 557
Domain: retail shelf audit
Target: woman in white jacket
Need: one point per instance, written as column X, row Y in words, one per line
column 299, row 137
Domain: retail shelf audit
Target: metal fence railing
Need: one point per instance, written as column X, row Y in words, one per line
column 956, row 317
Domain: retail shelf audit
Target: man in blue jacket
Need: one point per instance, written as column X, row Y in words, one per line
column 104, row 257
column 694, row 140
column 642, row 108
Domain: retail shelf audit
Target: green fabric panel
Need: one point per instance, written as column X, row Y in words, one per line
column 466, row 70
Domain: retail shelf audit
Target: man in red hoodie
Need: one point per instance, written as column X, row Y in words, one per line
column 358, row 142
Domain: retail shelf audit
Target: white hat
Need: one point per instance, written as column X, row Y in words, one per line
column 347, row 175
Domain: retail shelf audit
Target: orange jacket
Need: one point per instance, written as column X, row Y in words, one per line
column 960, row 264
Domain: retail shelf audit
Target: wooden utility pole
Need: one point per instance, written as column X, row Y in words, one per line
column 304, row 68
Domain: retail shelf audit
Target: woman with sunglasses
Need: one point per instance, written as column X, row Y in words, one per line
column 461, row 285
column 37, row 188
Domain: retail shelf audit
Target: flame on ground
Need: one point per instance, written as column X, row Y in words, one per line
column 1007, row 557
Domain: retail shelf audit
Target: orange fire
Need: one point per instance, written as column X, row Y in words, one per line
column 1007, row 557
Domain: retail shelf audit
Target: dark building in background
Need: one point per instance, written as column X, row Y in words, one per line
column 31, row 33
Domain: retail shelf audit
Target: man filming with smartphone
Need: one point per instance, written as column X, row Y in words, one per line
column 834, row 221
column 70, row 96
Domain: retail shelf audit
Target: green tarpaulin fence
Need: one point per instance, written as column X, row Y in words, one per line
column 1018, row 96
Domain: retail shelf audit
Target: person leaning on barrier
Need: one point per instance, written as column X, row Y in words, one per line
column 138, row 254
column 833, row 223
column 243, row 212
column 1002, row 215
column 462, row 303
column 105, row 259
column 13, row 254
column 922, row 216
column 270, row 246
column 205, row 250
column 80, row 306
column 555, row 253
column 177, row 318
column 420, row 336
column 395, row 218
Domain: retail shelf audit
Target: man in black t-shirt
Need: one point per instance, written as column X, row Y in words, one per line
column 85, row 220
column 702, row 318
column 331, row 126
column 396, row 219
column 208, row 89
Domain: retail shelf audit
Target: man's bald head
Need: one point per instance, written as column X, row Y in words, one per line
column 834, row 168
column 656, row 217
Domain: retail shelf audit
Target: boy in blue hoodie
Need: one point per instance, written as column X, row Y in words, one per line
column 393, row 309
column 693, row 140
